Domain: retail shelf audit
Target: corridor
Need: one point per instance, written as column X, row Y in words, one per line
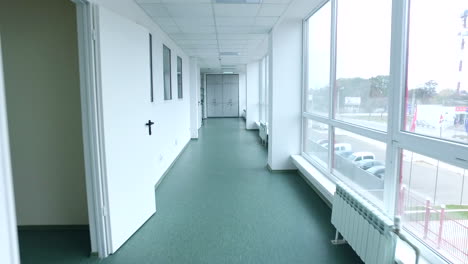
column 219, row 204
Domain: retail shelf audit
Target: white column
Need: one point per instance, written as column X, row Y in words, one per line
column 285, row 49
column 252, row 95
column 194, row 97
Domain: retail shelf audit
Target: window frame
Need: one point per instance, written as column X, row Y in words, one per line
column 395, row 138
column 164, row 73
column 180, row 82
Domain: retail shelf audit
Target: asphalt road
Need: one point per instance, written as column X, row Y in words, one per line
column 442, row 184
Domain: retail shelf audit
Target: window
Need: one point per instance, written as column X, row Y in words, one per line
column 317, row 95
column 316, row 141
column 167, row 73
column 363, row 62
column 180, row 90
column 398, row 137
column 437, row 85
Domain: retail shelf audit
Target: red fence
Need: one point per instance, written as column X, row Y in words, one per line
column 440, row 228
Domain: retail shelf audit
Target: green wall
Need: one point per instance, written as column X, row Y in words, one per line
column 43, row 102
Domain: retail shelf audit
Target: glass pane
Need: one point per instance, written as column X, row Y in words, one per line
column 318, row 52
column 316, row 141
column 363, row 62
column 427, row 186
column 167, row 73
column 437, row 84
column 179, row 78
column 360, row 161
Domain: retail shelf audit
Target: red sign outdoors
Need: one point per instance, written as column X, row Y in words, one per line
column 461, row 108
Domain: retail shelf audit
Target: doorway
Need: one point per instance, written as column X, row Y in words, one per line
column 42, row 87
column 222, row 92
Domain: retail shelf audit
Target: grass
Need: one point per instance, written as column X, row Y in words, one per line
column 436, row 216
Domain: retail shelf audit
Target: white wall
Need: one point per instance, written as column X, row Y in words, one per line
column 172, row 117
column 195, row 97
column 242, row 92
column 252, row 101
column 8, row 239
column 285, row 93
column 44, row 113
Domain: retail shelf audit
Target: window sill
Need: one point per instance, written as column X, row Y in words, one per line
column 326, row 188
column 322, row 183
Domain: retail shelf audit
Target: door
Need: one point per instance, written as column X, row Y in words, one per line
column 126, row 109
column 8, row 238
column 214, row 85
column 231, row 95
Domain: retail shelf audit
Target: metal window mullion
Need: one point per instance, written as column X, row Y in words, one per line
column 395, row 98
column 305, row 67
column 331, row 102
column 449, row 152
column 366, row 132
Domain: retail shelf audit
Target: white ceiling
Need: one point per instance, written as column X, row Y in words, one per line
column 204, row 28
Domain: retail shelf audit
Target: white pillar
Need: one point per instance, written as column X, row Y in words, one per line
column 285, row 49
column 194, row 97
column 252, row 95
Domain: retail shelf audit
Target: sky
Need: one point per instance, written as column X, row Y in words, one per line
column 363, row 42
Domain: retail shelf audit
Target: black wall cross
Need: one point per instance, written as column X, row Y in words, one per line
column 149, row 124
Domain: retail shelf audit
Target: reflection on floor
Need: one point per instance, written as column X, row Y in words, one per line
column 218, row 204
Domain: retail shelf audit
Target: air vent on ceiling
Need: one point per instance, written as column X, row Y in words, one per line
column 229, row 53
column 228, row 66
column 238, row 1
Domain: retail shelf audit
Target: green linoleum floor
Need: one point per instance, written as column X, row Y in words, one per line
column 218, row 204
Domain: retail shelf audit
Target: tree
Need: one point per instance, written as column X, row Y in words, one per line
column 379, row 86
column 426, row 93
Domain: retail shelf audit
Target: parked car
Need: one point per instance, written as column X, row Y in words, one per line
column 339, row 146
column 358, row 156
column 368, row 163
column 343, row 147
column 322, row 142
column 344, row 154
column 378, row 171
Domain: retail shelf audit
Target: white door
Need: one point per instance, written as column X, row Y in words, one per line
column 231, row 95
column 125, row 86
column 215, row 95
column 8, row 238
column 210, row 96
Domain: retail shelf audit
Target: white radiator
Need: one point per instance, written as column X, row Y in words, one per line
column 363, row 226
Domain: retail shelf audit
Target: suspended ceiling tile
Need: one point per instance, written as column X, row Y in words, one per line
column 198, row 29
column 185, row 1
column 235, row 30
column 148, row 1
column 194, row 21
column 266, row 21
column 155, row 10
column 170, row 29
column 260, row 29
column 236, row 10
column 235, row 21
column 189, row 10
column 276, row 1
column 192, row 36
column 164, row 21
column 272, row 10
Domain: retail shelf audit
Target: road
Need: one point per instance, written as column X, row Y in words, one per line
column 443, row 184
